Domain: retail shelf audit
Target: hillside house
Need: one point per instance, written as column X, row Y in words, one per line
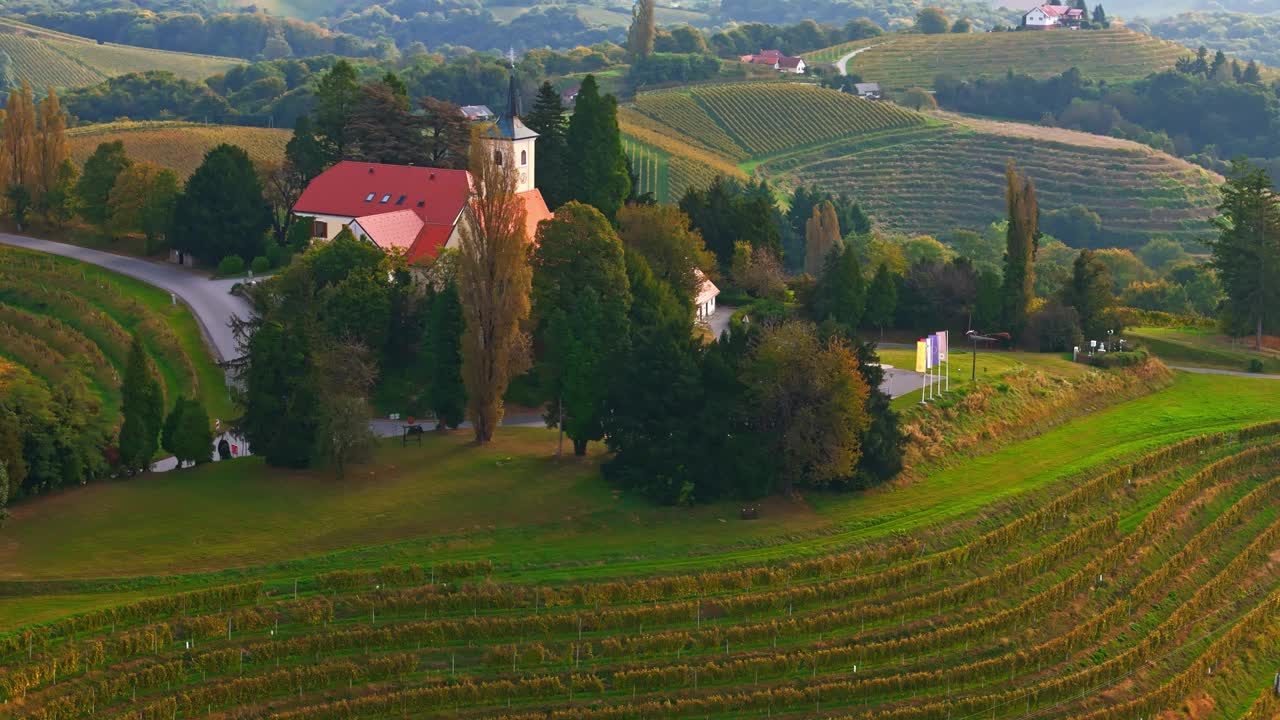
column 776, row 60
column 569, row 95
column 1050, row 17
column 867, row 90
column 478, row 113
column 416, row 210
column 705, row 302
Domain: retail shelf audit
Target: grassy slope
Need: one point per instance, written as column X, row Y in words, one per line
column 553, row 524
column 177, row 145
column 1200, row 348
column 46, row 57
column 900, row 61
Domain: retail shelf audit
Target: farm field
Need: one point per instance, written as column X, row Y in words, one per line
column 70, row 324
column 1095, row 571
column 179, row 146
column 44, row 57
column 953, row 177
column 904, row 60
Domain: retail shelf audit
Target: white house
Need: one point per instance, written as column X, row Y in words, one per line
column 705, row 303
column 416, row 210
column 1048, row 17
column 776, row 60
column 868, row 90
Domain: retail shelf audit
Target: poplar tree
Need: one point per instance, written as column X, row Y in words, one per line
column 52, row 146
column 1021, row 237
column 641, row 34
column 821, row 236
column 21, row 148
column 547, row 119
column 493, row 284
column 597, row 167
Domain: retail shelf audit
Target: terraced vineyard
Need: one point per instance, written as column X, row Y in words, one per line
column 1113, row 594
column 931, row 180
column 179, row 146
column 44, row 57
column 70, row 324
column 901, row 61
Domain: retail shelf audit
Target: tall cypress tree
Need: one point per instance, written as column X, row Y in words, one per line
column 1018, row 290
column 142, row 407
column 1247, row 251
column 547, row 119
column 597, row 167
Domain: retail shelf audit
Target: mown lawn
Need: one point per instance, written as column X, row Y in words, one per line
column 1204, row 348
column 538, row 517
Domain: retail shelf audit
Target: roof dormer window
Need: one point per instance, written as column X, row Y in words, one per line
column 369, row 197
column 386, row 197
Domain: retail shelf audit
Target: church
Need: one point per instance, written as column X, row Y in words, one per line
column 418, row 210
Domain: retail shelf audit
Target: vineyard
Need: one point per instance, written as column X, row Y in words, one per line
column 177, row 145
column 46, row 58
column 902, row 61
column 1114, row 593
column 70, row 325
column 932, row 180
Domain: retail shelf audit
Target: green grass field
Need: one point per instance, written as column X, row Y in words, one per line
column 48, row 58
column 986, row 571
column 900, row 61
column 54, row 311
column 1204, row 348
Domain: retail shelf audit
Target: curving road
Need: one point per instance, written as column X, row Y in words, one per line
column 210, row 300
column 843, row 62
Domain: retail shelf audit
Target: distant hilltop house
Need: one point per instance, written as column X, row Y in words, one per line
column 1050, row 17
column 868, row 90
column 569, row 95
column 776, row 60
column 417, row 210
column 478, row 113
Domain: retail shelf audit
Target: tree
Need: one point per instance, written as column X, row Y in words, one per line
column 19, row 204
column 1160, row 254
column 1021, row 237
column 346, row 375
column 193, row 436
column 21, row 143
column 382, row 130
column 281, row 398
column 448, row 134
column 809, row 398
column 51, row 147
column 728, row 212
column 932, row 21
column 1100, row 17
column 963, row 25
column 304, row 153
column 172, row 421
column 60, row 199
column 337, row 97
column 11, row 450
column 641, row 33
column 882, row 299
column 1077, row 226
column 821, row 237
column 1055, row 328
column 1089, row 292
column 758, row 271
column 98, row 177
column 1246, row 253
column 597, row 163
column 883, row 442
column 841, row 292
column 142, row 200
column 1252, row 74
column 493, row 284
column 673, row 251
column 919, row 99
column 143, row 410
column 446, row 392
column 222, row 211
column 4, row 493
column 547, row 119
column 580, row 303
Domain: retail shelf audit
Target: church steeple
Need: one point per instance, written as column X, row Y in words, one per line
column 515, row 142
column 513, row 95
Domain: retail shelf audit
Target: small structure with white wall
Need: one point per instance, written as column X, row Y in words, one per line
column 705, row 302
column 1050, row 17
column 776, row 60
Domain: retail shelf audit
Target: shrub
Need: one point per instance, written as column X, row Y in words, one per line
column 1127, row 358
column 231, row 265
column 1255, row 365
column 260, row 265
column 1056, row 328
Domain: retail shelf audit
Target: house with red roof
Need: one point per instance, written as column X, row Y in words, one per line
column 776, row 60
column 1049, row 17
column 416, row 210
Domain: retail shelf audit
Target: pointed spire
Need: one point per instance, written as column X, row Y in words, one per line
column 513, row 96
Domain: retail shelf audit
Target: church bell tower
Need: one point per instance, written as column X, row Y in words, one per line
column 516, row 144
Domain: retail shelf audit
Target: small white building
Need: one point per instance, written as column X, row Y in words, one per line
column 705, row 302
column 1049, row 17
column 776, row 60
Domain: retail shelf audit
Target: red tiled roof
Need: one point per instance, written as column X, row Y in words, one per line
column 1059, row 10
column 434, row 194
column 428, row 243
column 789, row 62
column 396, row 229
column 535, row 211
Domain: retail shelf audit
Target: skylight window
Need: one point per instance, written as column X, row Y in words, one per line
column 369, row 197
column 401, row 200
column 386, row 197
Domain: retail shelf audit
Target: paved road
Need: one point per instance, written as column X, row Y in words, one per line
column 844, row 61
column 1216, row 371
column 719, row 320
column 210, row 300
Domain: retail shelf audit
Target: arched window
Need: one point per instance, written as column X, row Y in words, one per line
column 524, row 157
column 497, row 157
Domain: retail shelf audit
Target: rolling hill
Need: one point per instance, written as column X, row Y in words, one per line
column 905, row 60
column 914, row 173
column 179, row 146
column 47, row 58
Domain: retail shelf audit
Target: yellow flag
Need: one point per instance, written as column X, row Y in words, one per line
column 921, row 352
